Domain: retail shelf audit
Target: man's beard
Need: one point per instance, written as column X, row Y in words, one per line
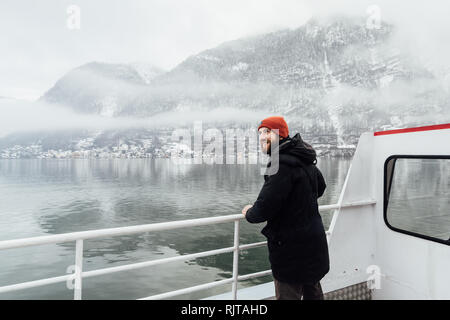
column 268, row 149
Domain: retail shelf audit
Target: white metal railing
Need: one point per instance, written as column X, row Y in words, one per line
column 78, row 274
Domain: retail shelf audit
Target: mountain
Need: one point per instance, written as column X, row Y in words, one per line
column 332, row 79
column 101, row 88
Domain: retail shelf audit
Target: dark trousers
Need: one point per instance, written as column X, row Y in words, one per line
column 291, row 291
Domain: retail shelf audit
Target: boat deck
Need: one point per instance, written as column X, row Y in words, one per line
column 266, row 291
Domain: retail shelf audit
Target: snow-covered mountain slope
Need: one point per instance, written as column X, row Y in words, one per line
column 101, row 88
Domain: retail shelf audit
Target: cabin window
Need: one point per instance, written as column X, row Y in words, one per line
column 417, row 196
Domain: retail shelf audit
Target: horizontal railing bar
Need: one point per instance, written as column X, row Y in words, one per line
column 360, row 203
column 138, row 265
column 329, row 207
column 252, row 245
column 336, row 206
column 188, row 290
column 35, row 283
column 111, row 232
column 206, row 286
column 104, row 271
column 255, row 275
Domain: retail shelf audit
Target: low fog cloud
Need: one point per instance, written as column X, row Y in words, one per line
column 22, row 116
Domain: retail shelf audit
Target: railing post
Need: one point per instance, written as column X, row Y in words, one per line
column 235, row 260
column 78, row 269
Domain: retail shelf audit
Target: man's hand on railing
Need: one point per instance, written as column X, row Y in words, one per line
column 245, row 209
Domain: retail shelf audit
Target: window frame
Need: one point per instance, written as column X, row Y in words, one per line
column 387, row 189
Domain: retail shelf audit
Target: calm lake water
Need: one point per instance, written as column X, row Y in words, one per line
column 42, row 197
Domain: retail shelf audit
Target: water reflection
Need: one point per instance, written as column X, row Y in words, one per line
column 420, row 197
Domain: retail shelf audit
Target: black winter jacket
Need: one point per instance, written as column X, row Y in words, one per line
column 298, row 250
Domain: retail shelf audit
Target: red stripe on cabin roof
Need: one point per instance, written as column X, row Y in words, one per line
column 426, row 128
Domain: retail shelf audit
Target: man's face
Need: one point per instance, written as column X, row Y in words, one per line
column 266, row 137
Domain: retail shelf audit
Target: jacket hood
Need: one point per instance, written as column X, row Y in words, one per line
column 294, row 151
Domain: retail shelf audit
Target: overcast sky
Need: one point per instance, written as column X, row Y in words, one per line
column 37, row 47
